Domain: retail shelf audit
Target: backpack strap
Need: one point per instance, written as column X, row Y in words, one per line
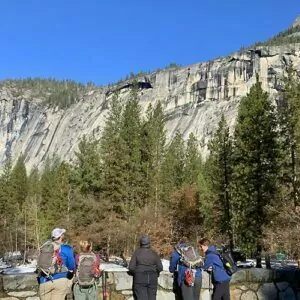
column 59, row 262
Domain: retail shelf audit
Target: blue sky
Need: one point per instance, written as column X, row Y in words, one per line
column 103, row 41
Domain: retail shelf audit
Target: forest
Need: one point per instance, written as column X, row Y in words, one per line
column 132, row 181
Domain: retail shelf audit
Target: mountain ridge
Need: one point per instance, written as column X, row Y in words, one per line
column 194, row 97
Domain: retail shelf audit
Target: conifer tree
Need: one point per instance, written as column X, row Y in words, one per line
column 289, row 121
column 33, row 206
column 152, row 153
column 19, row 182
column 7, row 207
column 255, row 167
column 192, row 161
column 130, row 134
column 19, row 191
column 172, row 167
column 87, row 173
column 113, row 162
column 219, row 170
column 49, row 207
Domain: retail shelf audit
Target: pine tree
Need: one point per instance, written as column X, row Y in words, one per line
column 19, row 191
column 19, row 182
column 33, row 207
column 49, row 210
column 130, row 134
column 255, row 167
column 7, row 208
column 113, row 188
column 192, row 161
column 172, row 166
column 289, row 121
column 219, row 170
column 87, row 173
column 152, row 152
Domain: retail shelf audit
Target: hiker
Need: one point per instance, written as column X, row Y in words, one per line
column 55, row 267
column 87, row 271
column 145, row 266
column 215, row 267
column 185, row 264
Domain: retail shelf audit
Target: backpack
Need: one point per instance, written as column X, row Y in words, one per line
column 87, row 269
column 228, row 262
column 189, row 277
column 188, row 256
column 49, row 261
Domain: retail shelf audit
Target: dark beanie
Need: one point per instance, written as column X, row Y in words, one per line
column 145, row 241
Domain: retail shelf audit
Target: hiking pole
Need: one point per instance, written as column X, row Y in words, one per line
column 106, row 296
column 103, row 284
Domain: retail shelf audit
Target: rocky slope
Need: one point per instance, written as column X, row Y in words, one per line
column 194, row 98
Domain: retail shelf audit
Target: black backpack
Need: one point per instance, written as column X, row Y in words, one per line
column 228, row 261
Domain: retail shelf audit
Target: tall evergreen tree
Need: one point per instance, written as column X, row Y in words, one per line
column 173, row 165
column 7, row 207
column 255, row 167
column 49, row 210
column 19, row 182
column 33, row 207
column 87, row 173
column 152, row 153
column 219, row 170
column 130, row 134
column 19, row 189
column 192, row 161
column 113, row 188
column 289, row 121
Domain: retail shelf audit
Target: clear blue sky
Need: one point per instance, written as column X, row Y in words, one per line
column 104, row 40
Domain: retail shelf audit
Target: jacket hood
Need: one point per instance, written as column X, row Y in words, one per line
column 145, row 241
column 211, row 248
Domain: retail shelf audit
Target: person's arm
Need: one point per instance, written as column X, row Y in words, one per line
column 76, row 260
column 96, row 268
column 70, row 264
column 132, row 263
column 98, row 261
column 173, row 262
column 208, row 262
column 159, row 266
column 70, row 261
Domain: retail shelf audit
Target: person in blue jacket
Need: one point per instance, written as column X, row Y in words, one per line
column 58, row 285
column 215, row 267
column 181, row 289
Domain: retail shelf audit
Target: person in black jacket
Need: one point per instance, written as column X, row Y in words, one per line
column 145, row 266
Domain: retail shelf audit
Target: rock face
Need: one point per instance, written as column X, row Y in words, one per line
column 296, row 22
column 193, row 97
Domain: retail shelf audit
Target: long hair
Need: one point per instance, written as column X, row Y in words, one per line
column 85, row 246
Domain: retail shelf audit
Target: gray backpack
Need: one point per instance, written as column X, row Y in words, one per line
column 189, row 256
column 49, row 262
column 87, row 264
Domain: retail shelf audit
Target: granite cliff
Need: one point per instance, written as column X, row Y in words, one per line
column 194, row 98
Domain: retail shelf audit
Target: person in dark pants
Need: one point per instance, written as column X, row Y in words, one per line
column 215, row 267
column 181, row 289
column 145, row 266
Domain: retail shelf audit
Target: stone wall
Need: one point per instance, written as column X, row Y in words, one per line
column 248, row 284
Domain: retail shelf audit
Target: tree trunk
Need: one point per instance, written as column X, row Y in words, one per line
column 25, row 236
column 268, row 260
column 258, row 256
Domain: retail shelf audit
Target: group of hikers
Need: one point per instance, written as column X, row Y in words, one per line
column 60, row 271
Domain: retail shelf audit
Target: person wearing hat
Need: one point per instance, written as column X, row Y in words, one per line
column 145, row 266
column 55, row 285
